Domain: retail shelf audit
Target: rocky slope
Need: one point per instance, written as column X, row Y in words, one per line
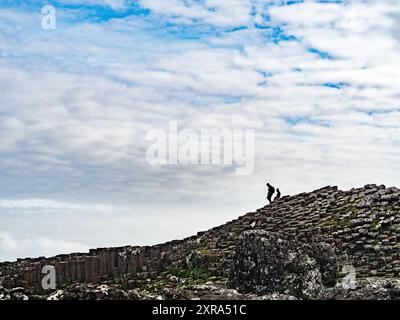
column 294, row 248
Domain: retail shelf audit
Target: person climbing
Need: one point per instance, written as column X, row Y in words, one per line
column 271, row 191
column 278, row 194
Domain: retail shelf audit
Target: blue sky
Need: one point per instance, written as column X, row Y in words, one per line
column 318, row 81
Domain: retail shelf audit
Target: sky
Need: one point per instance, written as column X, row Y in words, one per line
column 317, row 81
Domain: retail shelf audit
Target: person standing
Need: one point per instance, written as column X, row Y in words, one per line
column 271, row 191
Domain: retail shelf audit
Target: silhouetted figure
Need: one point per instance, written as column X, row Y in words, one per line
column 271, row 191
column 278, row 194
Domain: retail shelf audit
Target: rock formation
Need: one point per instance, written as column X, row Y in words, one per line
column 361, row 225
column 265, row 263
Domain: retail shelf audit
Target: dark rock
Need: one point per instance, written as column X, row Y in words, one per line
column 197, row 259
column 326, row 259
column 265, row 263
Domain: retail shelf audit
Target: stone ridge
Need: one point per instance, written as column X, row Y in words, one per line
column 362, row 224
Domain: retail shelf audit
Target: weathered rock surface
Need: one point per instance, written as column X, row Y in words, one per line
column 13, row 294
column 365, row 289
column 115, row 292
column 265, row 263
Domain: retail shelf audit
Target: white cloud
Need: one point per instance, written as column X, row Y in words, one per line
column 12, row 247
column 49, row 204
column 218, row 13
column 114, row 4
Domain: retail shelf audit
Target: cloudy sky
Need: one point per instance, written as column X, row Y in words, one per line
column 318, row 81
